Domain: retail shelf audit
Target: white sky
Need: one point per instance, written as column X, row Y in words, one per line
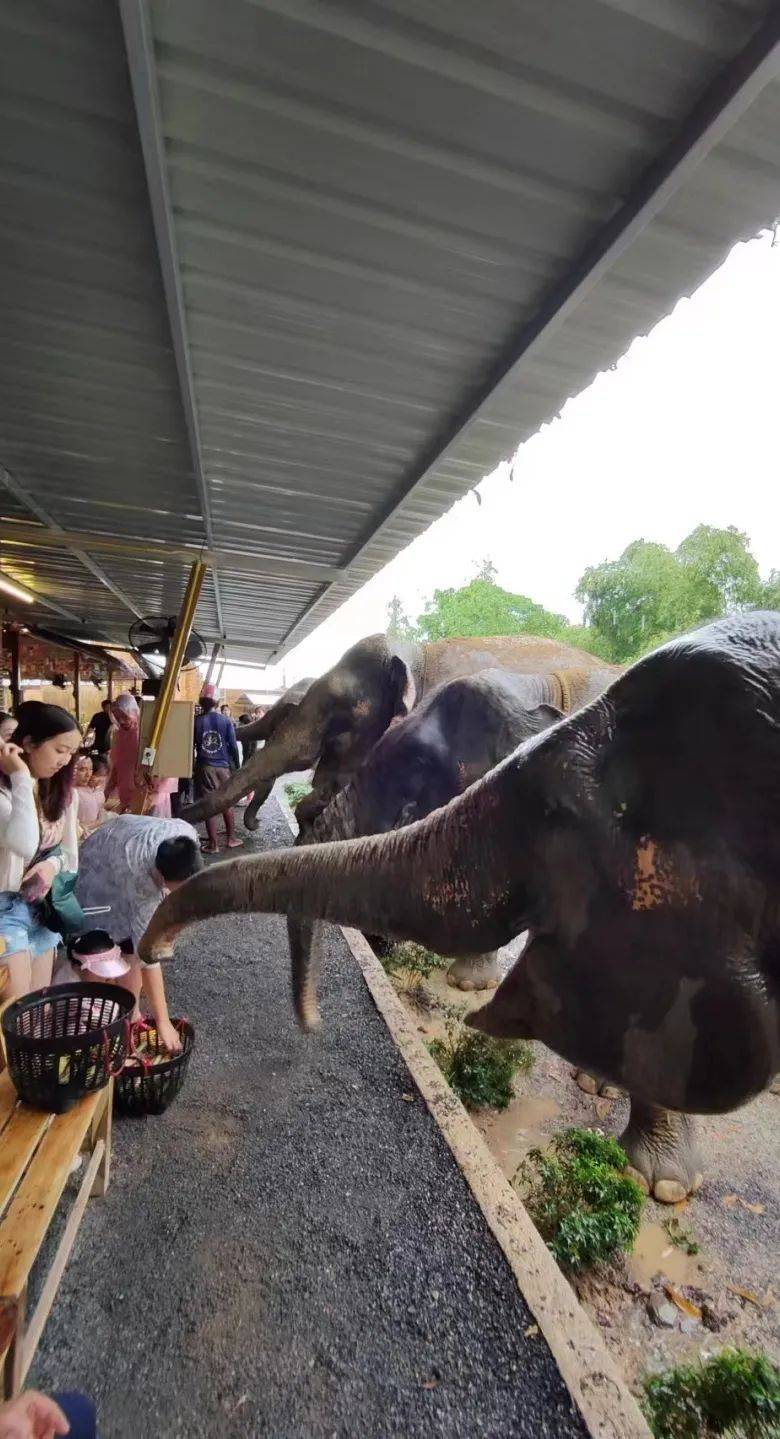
column 684, row 431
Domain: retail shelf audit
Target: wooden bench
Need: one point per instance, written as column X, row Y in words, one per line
column 36, row 1158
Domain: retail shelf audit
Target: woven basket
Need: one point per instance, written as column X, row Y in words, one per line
column 145, row 1088
column 66, row 1041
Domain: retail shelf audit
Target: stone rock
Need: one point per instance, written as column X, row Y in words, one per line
column 662, row 1313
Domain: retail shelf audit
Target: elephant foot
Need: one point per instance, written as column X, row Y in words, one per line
column 774, row 1087
column 478, row 971
column 594, row 1084
column 662, row 1152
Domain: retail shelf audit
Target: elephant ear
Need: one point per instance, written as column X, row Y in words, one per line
column 403, row 685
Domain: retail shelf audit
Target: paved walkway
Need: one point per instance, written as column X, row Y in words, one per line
column 291, row 1249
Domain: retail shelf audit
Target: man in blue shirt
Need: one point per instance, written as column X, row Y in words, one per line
column 216, row 751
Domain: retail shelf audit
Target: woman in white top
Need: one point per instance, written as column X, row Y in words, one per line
column 38, row 813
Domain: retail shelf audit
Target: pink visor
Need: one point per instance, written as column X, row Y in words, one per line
column 107, row 964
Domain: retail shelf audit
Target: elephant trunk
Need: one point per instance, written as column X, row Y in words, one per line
column 429, row 882
column 336, row 821
column 293, row 746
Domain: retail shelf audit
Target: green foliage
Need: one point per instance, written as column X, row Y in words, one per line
column 733, row 1393
column 296, row 791
column 582, row 1202
column 631, row 604
column 770, row 594
column 478, row 1068
column 411, row 958
column 651, row 592
column 484, row 608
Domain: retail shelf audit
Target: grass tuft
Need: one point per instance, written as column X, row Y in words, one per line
column 582, row 1202
column 478, row 1068
column 734, row 1393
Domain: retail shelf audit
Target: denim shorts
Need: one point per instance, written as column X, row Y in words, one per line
column 21, row 928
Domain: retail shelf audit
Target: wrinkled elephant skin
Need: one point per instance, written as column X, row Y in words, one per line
column 639, row 843
column 330, row 724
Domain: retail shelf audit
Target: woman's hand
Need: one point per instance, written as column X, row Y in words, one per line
column 38, row 880
column 11, row 759
column 32, row 1416
column 171, row 1038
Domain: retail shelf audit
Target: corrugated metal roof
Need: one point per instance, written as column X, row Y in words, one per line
column 357, row 215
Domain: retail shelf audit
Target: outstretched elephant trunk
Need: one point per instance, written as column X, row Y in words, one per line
column 293, row 745
column 418, row 883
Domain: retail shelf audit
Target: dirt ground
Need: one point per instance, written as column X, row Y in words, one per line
column 734, row 1220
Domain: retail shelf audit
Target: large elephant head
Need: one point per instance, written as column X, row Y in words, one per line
column 638, row 842
column 339, row 718
column 454, row 736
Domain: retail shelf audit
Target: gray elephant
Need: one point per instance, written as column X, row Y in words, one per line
column 262, row 729
column 639, row 844
column 343, row 714
column 453, row 737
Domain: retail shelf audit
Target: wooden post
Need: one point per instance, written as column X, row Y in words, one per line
column 164, row 699
column 77, row 687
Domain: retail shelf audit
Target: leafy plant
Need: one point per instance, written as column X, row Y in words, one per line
column 582, row 1202
column 478, row 1068
column 680, row 1236
column 413, row 958
column 296, row 790
column 733, row 1393
column 409, row 965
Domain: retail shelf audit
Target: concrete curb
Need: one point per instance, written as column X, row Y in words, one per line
column 591, row 1375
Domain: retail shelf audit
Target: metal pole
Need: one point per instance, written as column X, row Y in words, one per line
column 164, row 699
column 212, row 662
column 77, row 688
column 110, row 686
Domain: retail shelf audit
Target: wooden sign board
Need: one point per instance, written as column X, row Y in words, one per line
column 174, row 752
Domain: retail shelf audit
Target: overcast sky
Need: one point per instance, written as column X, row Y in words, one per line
column 684, row 431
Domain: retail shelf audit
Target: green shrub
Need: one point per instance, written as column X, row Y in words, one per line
column 296, row 791
column 581, row 1201
column 412, row 959
column 734, row 1393
column 478, row 1068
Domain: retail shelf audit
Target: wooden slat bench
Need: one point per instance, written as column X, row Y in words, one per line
column 36, row 1156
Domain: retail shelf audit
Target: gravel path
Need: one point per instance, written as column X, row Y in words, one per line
column 291, row 1249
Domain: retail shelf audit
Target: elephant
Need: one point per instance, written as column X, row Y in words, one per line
column 638, row 843
column 344, row 713
column 454, row 736
column 262, row 729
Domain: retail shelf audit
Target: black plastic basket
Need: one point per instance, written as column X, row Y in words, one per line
column 66, row 1041
column 149, row 1088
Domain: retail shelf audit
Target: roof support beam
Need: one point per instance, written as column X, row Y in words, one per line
column 237, row 562
column 57, row 536
column 725, row 101
column 139, row 48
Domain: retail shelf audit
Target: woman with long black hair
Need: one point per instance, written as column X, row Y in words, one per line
column 38, row 837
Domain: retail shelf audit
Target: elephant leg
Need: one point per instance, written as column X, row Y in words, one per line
column 475, row 971
column 662, row 1152
column 594, row 1084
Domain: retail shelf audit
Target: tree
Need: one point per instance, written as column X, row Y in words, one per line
column 484, row 608
column 651, row 592
column 770, row 597
column 399, row 626
column 635, row 601
column 722, row 574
